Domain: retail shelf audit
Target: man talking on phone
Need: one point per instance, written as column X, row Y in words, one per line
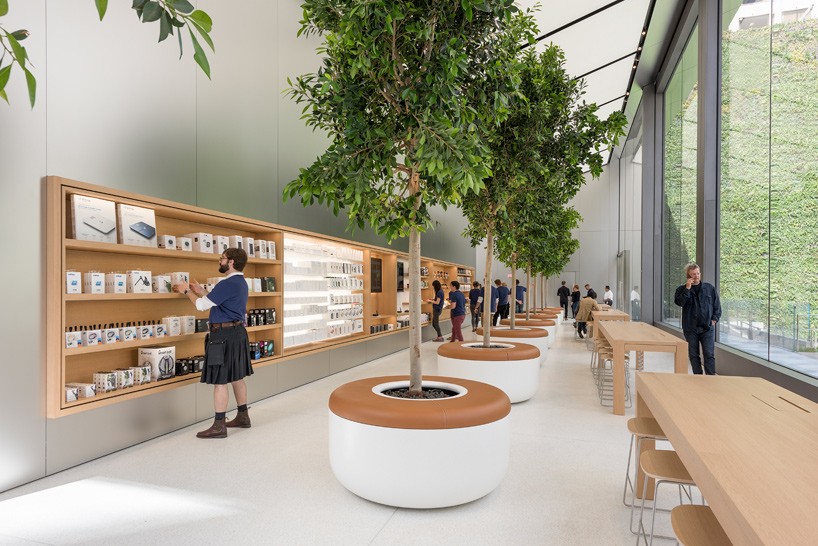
column 701, row 310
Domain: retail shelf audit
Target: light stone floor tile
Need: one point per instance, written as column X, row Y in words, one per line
column 272, row 484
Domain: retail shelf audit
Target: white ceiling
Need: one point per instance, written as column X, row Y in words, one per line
column 600, row 40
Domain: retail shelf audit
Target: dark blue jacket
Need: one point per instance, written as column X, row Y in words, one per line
column 699, row 307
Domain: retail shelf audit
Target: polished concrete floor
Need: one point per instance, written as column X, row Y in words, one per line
column 272, row 484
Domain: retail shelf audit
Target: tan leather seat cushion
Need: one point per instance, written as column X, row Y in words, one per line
column 520, row 351
column 544, row 322
column 537, row 316
column 482, row 405
column 517, row 332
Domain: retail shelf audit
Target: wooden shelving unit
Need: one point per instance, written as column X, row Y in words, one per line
column 380, row 309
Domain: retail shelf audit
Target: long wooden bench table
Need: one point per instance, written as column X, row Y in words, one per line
column 607, row 314
column 640, row 337
column 750, row 446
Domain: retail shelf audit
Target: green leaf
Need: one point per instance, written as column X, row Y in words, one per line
column 205, row 35
column 20, row 35
column 177, row 23
column 18, row 50
column 199, row 55
column 4, row 96
column 152, row 11
column 202, row 19
column 182, row 6
column 102, row 7
column 5, row 72
column 32, row 86
column 4, row 9
column 138, row 4
column 179, row 35
column 165, row 28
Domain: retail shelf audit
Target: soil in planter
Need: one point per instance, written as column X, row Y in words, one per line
column 489, row 347
column 429, row 393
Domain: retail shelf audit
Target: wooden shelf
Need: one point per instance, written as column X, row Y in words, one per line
column 176, row 380
column 150, row 296
column 133, row 250
column 122, row 345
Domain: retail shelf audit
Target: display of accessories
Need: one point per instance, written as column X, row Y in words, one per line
column 260, row 317
column 162, row 361
column 201, row 242
column 137, row 225
column 93, row 219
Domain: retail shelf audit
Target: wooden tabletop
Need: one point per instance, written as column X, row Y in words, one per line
column 751, row 447
column 637, row 332
column 610, row 314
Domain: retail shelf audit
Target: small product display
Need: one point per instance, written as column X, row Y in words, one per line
column 182, row 366
column 127, row 332
column 250, row 247
column 261, row 317
column 221, row 243
column 91, row 337
column 124, row 378
column 161, row 284
column 105, row 381
column 71, row 393
column 93, row 219
column 162, row 361
column 202, row 325
column 167, row 241
column 261, row 249
column 139, row 282
column 73, row 282
column 137, row 225
column 236, row 241
column 141, row 374
column 93, row 282
column 116, row 283
column 84, row 390
column 73, row 339
column 262, row 349
column 271, row 250
column 110, row 335
column 202, row 242
column 187, row 324
column 173, row 326
column 184, row 243
column 145, row 331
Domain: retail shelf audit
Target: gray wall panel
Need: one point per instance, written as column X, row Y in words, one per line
column 386, row 345
column 294, row 373
column 262, row 384
column 78, row 438
column 22, row 157
column 343, row 358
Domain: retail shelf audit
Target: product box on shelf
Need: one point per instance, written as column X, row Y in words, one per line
column 179, row 277
column 110, row 335
column 160, row 330
column 139, row 282
column 220, row 243
column 184, row 243
column 73, row 282
column 137, row 225
column 250, row 247
column 182, row 366
column 202, row 242
column 161, row 284
column 141, row 374
column 197, row 363
column 173, row 326
column 271, row 250
column 187, row 324
column 71, row 393
column 162, row 361
column 144, row 331
column 236, row 241
column 105, row 381
column 73, row 339
column 261, row 248
column 84, row 390
column 256, row 285
column 93, row 282
column 202, row 325
column 124, row 378
column 167, row 241
column 127, row 333
column 92, row 219
column 91, row 337
column 115, row 283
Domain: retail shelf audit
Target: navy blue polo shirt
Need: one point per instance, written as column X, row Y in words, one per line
column 459, row 301
column 230, row 297
column 503, row 293
column 440, row 297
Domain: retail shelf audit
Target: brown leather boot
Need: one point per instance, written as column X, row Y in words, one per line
column 242, row 420
column 217, row 430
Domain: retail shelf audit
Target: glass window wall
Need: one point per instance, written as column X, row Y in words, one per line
column 628, row 293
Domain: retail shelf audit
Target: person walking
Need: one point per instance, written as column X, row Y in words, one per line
column 564, row 294
column 587, row 305
column 575, row 297
column 502, row 302
column 457, row 301
column 475, row 299
column 701, row 310
column 437, row 308
column 227, row 347
column 519, row 297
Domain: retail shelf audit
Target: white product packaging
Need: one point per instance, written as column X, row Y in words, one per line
column 167, row 241
column 162, row 361
column 116, row 283
column 139, row 282
column 73, row 340
column 256, row 285
column 124, row 378
column 160, row 330
column 250, row 247
column 179, row 276
column 202, row 242
column 145, row 331
column 249, row 284
column 271, row 250
column 71, row 393
column 93, row 282
column 91, row 337
column 236, row 241
column 261, row 249
column 105, row 381
column 73, row 282
column 127, row 333
column 220, row 243
column 93, row 219
column 141, row 374
column 184, row 243
column 161, row 284
column 84, row 390
column 187, row 324
column 137, row 225
column 110, row 335
column 173, row 326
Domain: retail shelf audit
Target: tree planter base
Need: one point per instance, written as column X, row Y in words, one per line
column 515, row 369
column 537, row 337
column 419, row 453
column 550, row 325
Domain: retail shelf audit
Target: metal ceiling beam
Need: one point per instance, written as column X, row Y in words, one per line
column 578, row 20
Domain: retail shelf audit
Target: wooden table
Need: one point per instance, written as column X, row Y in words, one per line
column 750, row 446
column 607, row 314
column 626, row 336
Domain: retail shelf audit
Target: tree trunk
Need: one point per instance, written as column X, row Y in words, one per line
column 534, row 293
column 528, row 286
column 487, row 290
column 513, row 296
column 415, row 339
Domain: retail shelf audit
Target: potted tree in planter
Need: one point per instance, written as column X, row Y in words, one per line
column 403, row 92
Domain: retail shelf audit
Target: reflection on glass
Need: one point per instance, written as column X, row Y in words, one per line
column 769, row 181
column 629, row 259
column 679, row 192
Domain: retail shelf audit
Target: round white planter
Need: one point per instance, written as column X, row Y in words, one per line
column 440, row 453
column 505, row 334
column 515, row 370
column 550, row 325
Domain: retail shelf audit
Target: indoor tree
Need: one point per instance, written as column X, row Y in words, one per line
column 537, row 151
column 403, row 92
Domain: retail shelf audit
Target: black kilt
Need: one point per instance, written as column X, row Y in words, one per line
column 227, row 356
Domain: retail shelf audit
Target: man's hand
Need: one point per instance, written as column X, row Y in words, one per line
column 181, row 287
column 689, row 283
column 197, row 288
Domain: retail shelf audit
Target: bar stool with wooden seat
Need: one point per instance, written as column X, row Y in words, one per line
column 697, row 526
column 641, row 428
column 664, row 467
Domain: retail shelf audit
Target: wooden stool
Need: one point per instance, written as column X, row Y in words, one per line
column 697, row 526
column 641, row 428
column 664, row 467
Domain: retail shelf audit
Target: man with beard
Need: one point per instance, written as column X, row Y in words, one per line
column 227, row 348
